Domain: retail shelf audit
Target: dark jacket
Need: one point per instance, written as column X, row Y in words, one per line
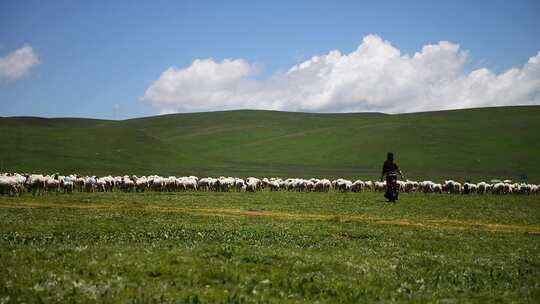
column 390, row 167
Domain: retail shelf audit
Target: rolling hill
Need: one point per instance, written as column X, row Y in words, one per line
column 471, row 144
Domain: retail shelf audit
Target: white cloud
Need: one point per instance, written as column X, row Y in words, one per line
column 18, row 63
column 374, row 77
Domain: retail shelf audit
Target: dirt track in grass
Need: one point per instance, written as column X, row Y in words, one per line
column 465, row 225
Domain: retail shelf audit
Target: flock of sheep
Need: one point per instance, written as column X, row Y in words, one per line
column 38, row 184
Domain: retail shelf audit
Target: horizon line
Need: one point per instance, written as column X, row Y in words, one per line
column 263, row 110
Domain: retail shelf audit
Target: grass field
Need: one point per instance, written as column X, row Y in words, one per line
column 477, row 144
column 195, row 247
column 269, row 247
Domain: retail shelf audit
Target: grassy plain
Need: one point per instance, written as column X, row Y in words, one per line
column 476, row 144
column 269, row 247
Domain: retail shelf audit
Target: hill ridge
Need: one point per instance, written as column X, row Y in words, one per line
column 482, row 143
column 271, row 111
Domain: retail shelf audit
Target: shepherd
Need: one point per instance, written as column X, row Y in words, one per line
column 391, row 170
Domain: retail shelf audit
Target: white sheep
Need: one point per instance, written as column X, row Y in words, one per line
column 52, row 184
column 369, row 185
column 482, row 188
column 257, row 183
column 188, row 183
column 36, row 183
column 379, row 186
column 15, row 183
column 273, row 185
column 308, row 186
column 156, row 183
column 499, row 188
column 251, row 186
column 10, row 186
column 343, row 185
column 357, row 186
column 323, row 185
column 128, row 185
column 410, row 186
column 535, row 189
column 204, row 184
column 239, row 184
column 426, row 186
column 140, row 184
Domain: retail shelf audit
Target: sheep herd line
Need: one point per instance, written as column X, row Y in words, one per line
column 15, row 184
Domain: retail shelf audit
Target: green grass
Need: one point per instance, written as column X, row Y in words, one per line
column 269, row 247
column 477, row 144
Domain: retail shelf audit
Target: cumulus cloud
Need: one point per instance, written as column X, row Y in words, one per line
column 18, row 63
column 374, row 77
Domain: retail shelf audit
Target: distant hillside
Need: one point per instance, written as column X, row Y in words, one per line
column 466, row 144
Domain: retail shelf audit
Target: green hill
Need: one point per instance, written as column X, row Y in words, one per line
column 464, row 144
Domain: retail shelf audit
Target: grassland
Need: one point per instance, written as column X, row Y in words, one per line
column 269, row 247
column 477, row 144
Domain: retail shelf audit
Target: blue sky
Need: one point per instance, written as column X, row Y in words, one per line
column 105, row 59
